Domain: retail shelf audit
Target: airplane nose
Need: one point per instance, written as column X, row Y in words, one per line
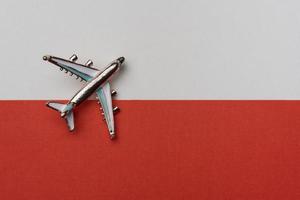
column 46, row 57
column 121, row 59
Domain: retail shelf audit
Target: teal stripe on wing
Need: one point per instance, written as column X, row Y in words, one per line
column 76, row 72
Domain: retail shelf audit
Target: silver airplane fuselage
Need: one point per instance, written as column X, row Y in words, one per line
column 95, row 83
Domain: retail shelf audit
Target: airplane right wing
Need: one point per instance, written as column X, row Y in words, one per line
column 104, row 96
column 81, row 71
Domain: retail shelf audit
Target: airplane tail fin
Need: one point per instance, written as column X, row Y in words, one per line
column 66, row 111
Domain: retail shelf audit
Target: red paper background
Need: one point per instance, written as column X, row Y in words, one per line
column 164, row 150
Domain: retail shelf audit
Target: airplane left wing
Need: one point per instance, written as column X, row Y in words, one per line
column 104, row 96
column 81, row 71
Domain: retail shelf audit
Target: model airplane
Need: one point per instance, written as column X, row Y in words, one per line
column 97, row 81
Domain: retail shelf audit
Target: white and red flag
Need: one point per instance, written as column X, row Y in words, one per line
column 208, row 96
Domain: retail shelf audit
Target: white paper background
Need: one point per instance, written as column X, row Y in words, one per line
column 192, row 49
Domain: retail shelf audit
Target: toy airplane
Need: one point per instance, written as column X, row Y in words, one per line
column 97, row 81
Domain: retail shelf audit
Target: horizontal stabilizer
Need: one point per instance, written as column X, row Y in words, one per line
column 70, row 120
column 56, row 106
column 66, row 111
